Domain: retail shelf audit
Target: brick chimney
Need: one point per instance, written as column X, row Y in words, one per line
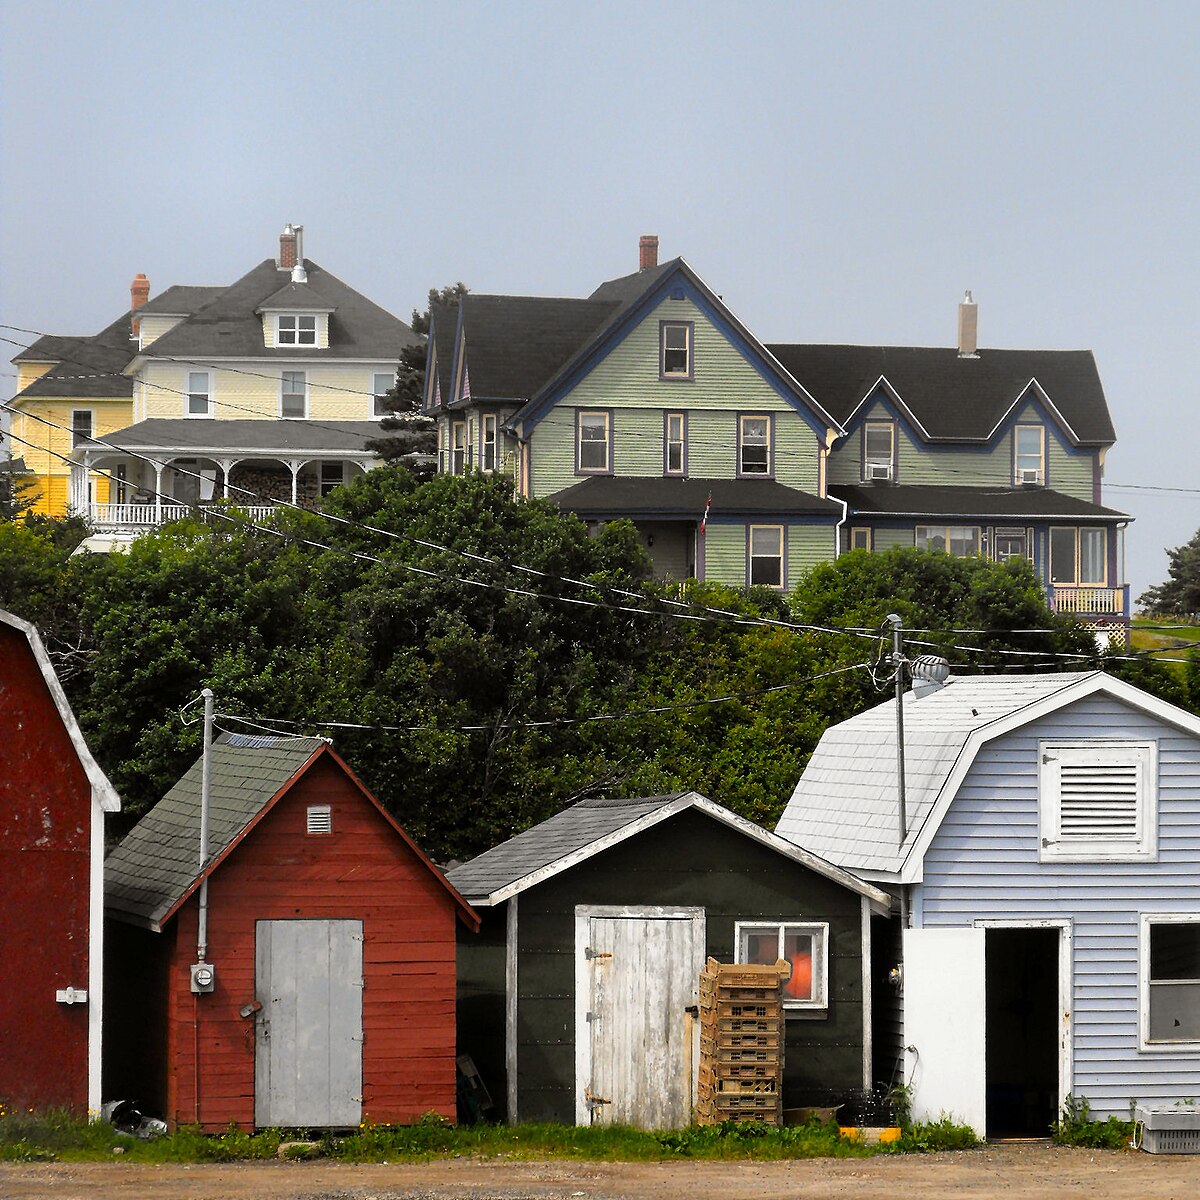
column 288, row 243
column 139, row 293
column 648, row 251
column 968, row 328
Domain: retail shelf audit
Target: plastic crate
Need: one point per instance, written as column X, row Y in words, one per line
column 1170, row 1129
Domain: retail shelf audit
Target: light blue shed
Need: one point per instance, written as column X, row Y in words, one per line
column 1049, row 879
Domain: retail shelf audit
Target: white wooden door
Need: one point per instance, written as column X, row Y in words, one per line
column 636, row 1028
column 308, row 1050
column 944, row 1024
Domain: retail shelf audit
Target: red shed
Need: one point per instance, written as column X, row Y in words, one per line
column 330, row 945
column 53, row 798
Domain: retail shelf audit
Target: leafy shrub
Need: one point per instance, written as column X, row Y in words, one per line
column 1075, row 1127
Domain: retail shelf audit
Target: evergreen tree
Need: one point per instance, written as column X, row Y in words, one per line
column 1179, row 593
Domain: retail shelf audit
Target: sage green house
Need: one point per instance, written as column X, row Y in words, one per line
column 648, row 400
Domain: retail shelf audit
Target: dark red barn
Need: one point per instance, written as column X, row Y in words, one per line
column 53, row 798
column 326, row 992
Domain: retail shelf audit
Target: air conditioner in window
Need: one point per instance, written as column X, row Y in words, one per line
column 879, row 470
column 1031, row 475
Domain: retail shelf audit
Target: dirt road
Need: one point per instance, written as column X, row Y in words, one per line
column 1014, row 1172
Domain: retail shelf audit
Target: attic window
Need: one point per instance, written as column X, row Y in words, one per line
column 296, row 331
column 675, row 349
column 320, row 819
column 1097, row 801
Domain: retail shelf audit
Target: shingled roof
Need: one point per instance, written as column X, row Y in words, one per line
column 592, row 826
column 91, row 367
column 928, row 500
column 952, row 397
column 179, row 300
column 191, row 433
column 648, row 496
column 153, row 869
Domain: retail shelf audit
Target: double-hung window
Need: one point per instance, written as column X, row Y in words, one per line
column 1170, row 971
column 594, row 437
column 674, row 426
column 958, row 540
column 804, row 946
column 332, row 476
column 754, row 445
column 675, row 349
column 199, row 394
column 293, row 394
column 458, row 447
column 1029, row 454
column 765, row 554
column 1078, row 556
column 1097, row 801
column 381, row 384
column 81, row 425
column 879, row 447
column 296, row 330
column 487, row 441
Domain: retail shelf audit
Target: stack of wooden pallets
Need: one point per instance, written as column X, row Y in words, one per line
column 741, row 1043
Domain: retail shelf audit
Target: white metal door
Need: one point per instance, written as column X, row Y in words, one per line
column 944, row 1024
column 308, row 1056
column 636, row 1031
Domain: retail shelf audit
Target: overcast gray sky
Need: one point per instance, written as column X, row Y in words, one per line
column 838, row 172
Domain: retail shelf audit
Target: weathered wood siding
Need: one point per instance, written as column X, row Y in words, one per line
column 690, row 860
column 362, row 871
column 983, row 863
column 1068, row 469
column 45, row 861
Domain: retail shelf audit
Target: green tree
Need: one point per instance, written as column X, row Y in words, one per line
column 1179, row 593
column 412, row 440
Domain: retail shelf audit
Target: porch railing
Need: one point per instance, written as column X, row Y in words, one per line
column 145, row 516
column 1096, row 601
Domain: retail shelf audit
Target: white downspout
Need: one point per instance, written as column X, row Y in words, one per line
column 837, row 529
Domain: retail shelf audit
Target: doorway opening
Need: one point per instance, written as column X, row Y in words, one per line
column 1022, row 990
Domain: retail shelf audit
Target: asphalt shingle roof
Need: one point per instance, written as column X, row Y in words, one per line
column 1027, row 503
column 168, row 433
column 637, row 496
column 88, row 367
column 179, row 300
column 954, row 398
column 844, row 807
column 156, row 864
column 228, row 325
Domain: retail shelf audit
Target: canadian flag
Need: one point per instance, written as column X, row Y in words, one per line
column 704, row 519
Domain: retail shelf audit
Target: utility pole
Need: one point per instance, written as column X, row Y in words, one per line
column 899, row 661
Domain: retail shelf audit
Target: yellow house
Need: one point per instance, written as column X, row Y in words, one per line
column 268, row 389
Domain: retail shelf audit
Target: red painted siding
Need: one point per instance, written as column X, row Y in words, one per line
column 362, row 871
column 45, row 822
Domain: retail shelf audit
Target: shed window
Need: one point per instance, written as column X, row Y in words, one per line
column 1097, row 801
column 320, row 819
column 1171, row 979
column 804, row 946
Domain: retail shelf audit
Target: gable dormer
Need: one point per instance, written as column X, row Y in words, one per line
column 297, row 316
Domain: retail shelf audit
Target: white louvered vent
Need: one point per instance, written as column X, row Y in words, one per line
column 1098, row 800
column 320, row 819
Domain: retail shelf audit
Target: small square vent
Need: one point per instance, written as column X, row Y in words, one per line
column 320, row 819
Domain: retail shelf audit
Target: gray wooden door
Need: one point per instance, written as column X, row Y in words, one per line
column 639, row 1029
column 308, row 1054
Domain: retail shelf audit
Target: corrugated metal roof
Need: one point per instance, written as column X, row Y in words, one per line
column 844, row 807
column 156, row 864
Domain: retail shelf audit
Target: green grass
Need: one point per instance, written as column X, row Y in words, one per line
column 1145, row 633
column 33, row 1137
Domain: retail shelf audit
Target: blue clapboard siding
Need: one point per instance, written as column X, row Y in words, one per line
column 983, row 863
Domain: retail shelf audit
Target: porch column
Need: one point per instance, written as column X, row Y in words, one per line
column 294, row 466
column 158, row 472
column 77, row 503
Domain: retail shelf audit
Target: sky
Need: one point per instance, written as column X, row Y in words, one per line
column 837, row 172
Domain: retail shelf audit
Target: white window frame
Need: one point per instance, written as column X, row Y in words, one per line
column 378, row 412
column 292, row 335
column 458, row 447
column 1053, row 846
column 590, row 416
column 665, row 329
column 208, row 395
column 1025, row 460
column 489, row 441
column 1147, row 986
column 766, row 472
column 77, row 434
column 818, row 931
column 781, row 556
column 673, row 443
column 870, row 460
column 283, row 379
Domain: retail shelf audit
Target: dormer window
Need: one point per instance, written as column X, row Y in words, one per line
column 879, row 450
column 1029, row 457
column 293, row 329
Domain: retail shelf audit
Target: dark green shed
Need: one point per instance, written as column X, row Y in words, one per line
column 577, row 1000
